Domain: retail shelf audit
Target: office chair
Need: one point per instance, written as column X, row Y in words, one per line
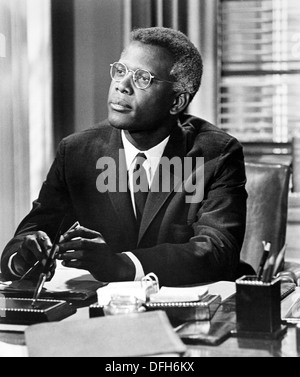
column 268, row 188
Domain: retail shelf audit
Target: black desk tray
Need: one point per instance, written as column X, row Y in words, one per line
column 178, row 312
column 20, row 311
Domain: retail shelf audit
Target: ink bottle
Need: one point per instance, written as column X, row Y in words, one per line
column 121, row 304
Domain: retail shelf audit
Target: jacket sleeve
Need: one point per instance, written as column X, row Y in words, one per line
column 46, row 214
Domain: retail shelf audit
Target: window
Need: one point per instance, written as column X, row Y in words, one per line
column 259, row 61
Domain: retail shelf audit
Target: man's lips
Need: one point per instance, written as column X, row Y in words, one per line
column 120, row 105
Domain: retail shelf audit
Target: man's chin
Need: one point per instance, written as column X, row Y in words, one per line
column 120, row 121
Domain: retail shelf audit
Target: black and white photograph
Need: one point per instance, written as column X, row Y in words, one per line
column 150, row 181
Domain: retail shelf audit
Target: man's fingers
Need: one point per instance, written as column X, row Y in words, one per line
column 44, row 242
column 75, row 259
column 27, row 254
column 36, row 247
column 72, row 255
column 76, row 263
column 79, row 243
column 80, row 232
column 76, row 244
column 31, row 245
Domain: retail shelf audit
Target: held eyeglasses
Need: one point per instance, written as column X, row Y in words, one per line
column 141, row 77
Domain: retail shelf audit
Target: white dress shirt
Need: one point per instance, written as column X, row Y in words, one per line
column 153, row 156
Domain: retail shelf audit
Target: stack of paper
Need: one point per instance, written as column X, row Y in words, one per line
column 171, row 294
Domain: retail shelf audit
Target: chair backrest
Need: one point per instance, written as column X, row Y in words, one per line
column 267, row 209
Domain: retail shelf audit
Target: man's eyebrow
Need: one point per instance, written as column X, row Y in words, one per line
column 156, row 75
column 135, row 68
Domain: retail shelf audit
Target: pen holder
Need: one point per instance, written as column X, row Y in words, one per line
column 258, row 308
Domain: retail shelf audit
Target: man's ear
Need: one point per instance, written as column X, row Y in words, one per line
column 180, row 103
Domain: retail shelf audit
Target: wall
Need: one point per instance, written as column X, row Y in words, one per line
column 25, row 108
column 6, row 156
column 14, row 135
column 87, row 36
column 98, row 42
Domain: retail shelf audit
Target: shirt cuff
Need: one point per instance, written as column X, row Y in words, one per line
column 10, row 263
column 139, row 271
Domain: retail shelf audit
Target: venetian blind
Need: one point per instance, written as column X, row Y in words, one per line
column 259, row 90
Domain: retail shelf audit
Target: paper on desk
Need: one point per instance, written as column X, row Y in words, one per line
column 67, row 283
column 224, row 289
column 7, row 327
column 12, row 350
column 126, row 288
column 171, row 294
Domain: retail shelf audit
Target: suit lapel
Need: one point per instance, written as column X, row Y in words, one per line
column 121, row 199
column 164, row 178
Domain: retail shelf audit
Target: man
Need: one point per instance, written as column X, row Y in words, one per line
column 183, row 235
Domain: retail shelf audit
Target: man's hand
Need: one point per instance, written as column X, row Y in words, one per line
column 86, row 249
column 35, row 247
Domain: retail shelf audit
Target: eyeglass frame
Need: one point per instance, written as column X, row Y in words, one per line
column 152, row 77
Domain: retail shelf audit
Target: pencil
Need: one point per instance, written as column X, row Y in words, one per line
column 267, row 247
column 279, row 259
column 46, row 269
column 269, row 269
column 73, row 227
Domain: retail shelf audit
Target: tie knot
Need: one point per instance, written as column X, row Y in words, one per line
column 140, row 159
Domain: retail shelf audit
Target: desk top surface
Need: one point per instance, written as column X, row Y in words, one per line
column 287, row 346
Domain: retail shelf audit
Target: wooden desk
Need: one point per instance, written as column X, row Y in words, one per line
column 288, row 346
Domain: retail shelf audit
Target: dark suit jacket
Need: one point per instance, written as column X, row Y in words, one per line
column 181, row 243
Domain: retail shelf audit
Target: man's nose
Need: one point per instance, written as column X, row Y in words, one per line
column 126, row 85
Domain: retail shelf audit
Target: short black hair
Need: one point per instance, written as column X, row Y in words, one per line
column 188, row 64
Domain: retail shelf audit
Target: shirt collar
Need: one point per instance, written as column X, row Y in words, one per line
column 153, row 155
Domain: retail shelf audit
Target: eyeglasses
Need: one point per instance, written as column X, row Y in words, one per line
column 141, row 77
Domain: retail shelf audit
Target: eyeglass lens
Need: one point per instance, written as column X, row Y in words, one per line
column 141, row 78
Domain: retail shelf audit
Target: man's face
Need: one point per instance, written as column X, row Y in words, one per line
column 134, row 109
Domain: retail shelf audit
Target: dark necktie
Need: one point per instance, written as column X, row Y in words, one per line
column 140, row 186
